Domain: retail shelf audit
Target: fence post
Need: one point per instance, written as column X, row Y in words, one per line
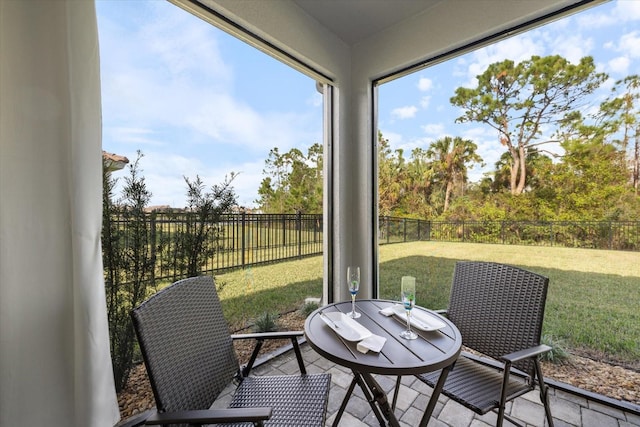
column 388, row 227
column 243, row 234
column 153, row 235
column 404, row 229
column 299, row 230
column 419, row 224
column 284, row 232
column 610, row 236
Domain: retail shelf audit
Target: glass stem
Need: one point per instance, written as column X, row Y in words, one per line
column 353, row 304
column 409, row 320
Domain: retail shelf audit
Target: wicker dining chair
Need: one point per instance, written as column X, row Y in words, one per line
column 499, row 311
column 190, row 359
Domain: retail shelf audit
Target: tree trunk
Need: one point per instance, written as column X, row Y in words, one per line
column 522, row 171
column 447, row 195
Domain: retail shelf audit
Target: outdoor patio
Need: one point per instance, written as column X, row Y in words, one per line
column 568, row 409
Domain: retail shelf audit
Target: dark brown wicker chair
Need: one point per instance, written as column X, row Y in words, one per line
column 498, row 310
column 190, row 360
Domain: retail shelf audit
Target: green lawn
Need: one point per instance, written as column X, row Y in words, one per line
column 593, row 301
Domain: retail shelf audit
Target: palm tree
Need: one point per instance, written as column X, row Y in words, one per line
column 450, row 159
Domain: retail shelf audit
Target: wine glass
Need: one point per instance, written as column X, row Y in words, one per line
column 408, row 300
column 353, row 279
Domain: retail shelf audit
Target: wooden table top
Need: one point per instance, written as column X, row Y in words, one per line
column 432, row 350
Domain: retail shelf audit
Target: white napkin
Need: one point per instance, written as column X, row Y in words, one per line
column 387, row 311
column 373, row 343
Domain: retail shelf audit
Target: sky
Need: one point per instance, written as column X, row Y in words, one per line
column 198, row 102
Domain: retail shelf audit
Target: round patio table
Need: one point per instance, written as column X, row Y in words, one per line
column 433, row 350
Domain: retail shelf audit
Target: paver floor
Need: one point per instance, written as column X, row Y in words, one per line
column 567, row 409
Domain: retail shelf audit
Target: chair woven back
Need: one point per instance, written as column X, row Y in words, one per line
column 186, row 345
column 498, row 308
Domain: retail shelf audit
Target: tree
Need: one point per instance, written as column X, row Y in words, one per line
column 419, row 185
column 520, row 101
column 391, row 175
column 590, row 182
column 197, row 242
column 293, row 181
column 129, row 263
column 625, row 109
column 451, row 158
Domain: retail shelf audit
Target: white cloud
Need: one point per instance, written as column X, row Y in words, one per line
column 424, row 101
column 133, row 136
column 623, row 11
column 394, row 138
column 516, row 48
column 424, row 84
column 630, row 44
column 403, row 113
column 627, row 10
column 434, row 129
column 619, row 65
column 573, row 47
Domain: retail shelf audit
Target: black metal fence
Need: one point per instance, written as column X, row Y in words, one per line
column 241, row 240
column 245, row 240
column 612, row 235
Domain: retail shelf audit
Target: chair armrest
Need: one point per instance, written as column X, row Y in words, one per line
column 211, row 416
column 268, row 335
column 526, row 353
column 260, row 337
column 136, row 420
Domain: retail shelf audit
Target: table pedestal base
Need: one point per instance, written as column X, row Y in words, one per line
column 377, row 399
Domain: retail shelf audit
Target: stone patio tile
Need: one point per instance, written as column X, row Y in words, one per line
column 532, row 396
column 411, row 416
column 608, row 410
column 358, row 407
column 591, row 418
column 387, row 383
column 340, row 378
column 406, row 396
column 633, row 419
column 347, row 420
column 571, row 397
column 529, row 412
column 488, row 418
column 455, row 415
column 336, row 396
column 566, row 411
column 478, row 423
column 560, row 423
column 290, row 367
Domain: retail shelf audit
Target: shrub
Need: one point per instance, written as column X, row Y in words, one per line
column 266, row 322
column 558, row 353
column 308, row 307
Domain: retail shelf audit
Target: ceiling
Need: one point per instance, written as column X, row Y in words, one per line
column 355, row 20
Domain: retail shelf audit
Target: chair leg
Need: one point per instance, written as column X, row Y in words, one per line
column 296, row 348
column 395, row 393
column 503, row 394
column 544, row 393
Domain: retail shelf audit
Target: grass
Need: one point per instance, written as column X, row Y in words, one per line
column 593, row 301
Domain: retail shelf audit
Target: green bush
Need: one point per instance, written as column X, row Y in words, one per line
column 308, row 308
column 266, row 322
column 558, row 353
